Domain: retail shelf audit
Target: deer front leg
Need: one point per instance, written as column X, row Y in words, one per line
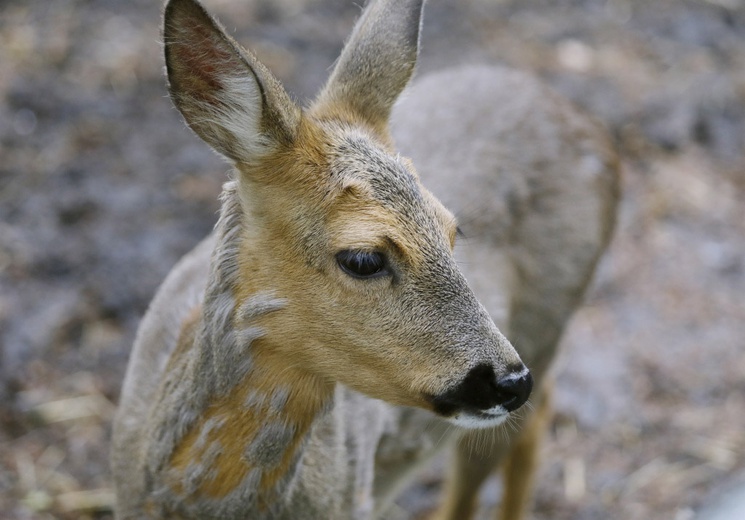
column 479, row 453
column 522, row 460
column 476, row 455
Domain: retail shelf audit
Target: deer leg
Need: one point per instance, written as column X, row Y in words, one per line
column 522, row 459
column 475, row 457
column 479, row 453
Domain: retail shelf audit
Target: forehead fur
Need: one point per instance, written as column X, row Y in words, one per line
column 390, row 191
column 389, row 179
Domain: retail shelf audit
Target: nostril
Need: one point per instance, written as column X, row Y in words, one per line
column 514, row 390
column 480, row 390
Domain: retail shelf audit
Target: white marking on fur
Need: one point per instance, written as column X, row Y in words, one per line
column 245, row 121
column 279, row 399
column 259, row 304
column 270, row 444
column 224, row 354
column 203, row 470
column 473, row 422
column 235, row 112
column 517, row 375
column 211, row 424
column 254, row 400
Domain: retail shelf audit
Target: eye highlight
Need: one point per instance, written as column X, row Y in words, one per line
column 362, row 264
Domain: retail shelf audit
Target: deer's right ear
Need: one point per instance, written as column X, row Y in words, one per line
column 225, row 95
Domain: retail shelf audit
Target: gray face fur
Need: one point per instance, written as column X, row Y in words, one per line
column 419, row 330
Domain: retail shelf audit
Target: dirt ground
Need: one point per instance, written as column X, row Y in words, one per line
column 102, row 189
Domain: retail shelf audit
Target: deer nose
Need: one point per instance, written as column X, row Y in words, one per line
column 513, row 391
column 482, row 390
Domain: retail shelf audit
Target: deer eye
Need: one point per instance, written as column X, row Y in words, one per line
column 362, row 264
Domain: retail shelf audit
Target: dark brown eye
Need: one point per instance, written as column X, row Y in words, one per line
column 362, row 264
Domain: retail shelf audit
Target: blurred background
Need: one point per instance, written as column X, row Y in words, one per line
column 102, row 189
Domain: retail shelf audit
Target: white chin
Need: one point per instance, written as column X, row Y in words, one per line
column 474, row 422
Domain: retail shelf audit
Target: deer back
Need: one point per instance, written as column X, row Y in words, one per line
column 533, row 182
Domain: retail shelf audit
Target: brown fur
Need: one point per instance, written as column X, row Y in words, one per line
column 307, row 396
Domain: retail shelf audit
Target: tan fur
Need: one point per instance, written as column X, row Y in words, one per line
column 306, row 396
column 275, row 378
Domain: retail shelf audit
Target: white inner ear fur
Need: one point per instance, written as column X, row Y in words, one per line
column 238, row 113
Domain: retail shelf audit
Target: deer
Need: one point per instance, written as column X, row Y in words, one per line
column 329, row 337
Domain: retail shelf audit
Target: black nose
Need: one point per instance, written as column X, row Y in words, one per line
column 481, row 390
column 513, row 391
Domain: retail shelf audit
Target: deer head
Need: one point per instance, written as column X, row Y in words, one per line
column 338, row 225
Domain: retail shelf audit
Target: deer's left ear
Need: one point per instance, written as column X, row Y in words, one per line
column 225, row 95
column 376, row 63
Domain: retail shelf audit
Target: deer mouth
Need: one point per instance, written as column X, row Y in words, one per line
column 483, row 400
column 479, row 420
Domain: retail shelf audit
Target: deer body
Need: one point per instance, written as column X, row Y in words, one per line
column 535, row 192
column 332, row 473
column 320, row 345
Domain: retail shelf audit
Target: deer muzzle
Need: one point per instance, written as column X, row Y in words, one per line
column 483, row 399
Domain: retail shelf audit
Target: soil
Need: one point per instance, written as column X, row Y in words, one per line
column 102, row 189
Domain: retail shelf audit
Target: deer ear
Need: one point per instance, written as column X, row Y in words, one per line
column 225, row 95
column 377, row 61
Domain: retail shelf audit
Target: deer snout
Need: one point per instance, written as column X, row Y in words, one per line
column 483, row 398
column 513, row 391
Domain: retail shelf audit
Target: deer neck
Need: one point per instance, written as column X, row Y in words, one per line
column 241, row 409
column 249, row 439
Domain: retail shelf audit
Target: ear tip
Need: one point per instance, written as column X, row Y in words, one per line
column 377, row 61
column 176, row 9
column 173, row 4
column 182, row 20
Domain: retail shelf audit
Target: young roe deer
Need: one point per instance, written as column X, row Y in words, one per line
column 308, row 356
